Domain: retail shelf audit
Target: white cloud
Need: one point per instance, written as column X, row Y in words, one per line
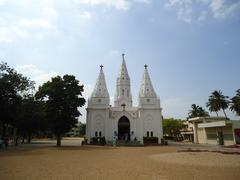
column 198, row 10
column 15, row 25
column 183, row 7
column 2, row 2
column 35, row 74
column 143, row 1
column 12, row 30
column 202, row 16
column 114, row 52
column 85, row 15
column 118, row 4
column 40, row 23
column 221, row 9
column 9, row 33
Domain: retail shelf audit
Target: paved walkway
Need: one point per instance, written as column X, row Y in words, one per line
column 190, row 147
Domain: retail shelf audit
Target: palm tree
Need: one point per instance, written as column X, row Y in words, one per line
column 218, row 101
column 197, row 111
column 235, row 104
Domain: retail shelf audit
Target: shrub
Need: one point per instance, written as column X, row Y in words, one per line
column 98, row 141
column 150, row 140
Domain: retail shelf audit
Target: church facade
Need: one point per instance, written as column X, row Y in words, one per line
column 122, row 121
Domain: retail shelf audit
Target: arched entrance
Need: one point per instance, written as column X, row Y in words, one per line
column 124, row 128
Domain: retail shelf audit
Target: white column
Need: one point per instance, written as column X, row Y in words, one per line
column 195, row 132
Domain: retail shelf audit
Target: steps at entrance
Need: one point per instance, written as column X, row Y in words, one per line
column 129, row 143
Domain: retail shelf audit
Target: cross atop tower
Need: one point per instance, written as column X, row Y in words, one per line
column 145, row 66
column 101, row 66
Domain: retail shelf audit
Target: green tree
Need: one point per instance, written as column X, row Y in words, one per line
column 197, row 111
column 13, row 86
column 30, row 117
column 82, row 128
column 235, row 103
column 62, row 97
column 218, row 101
column 172, row 127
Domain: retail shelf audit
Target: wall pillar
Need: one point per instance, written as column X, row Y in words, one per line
column 195, row 132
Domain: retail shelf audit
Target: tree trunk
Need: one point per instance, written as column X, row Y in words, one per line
column 29, row 138
column 58, row 140
column 16, row 140
column 225, row 114
column 3, row 130
column 217, row 113
column 23, row 138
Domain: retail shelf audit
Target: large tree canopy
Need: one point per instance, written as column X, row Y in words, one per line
column 218, row 101
column 235, row 104
column 197, row 111
column 30, row 117
column 172, row 127
column 13, row 86
column 62, row 97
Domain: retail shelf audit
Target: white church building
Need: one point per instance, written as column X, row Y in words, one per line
column 122, row 121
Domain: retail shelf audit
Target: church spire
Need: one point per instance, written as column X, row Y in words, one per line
column 100, row 89
column 123, row 88
column 123, row 73
column 147, row 89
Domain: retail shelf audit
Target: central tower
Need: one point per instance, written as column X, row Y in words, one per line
column 123, row 95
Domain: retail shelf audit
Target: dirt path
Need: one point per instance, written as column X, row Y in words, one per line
column 90, row 162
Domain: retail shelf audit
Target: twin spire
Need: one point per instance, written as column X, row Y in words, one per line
column 123, row 93
column 146, row 89
column 100, row 89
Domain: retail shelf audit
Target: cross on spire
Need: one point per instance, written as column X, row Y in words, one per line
column 101, row 66
column 145, row 66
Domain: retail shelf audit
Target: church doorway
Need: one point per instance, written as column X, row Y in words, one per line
column 124, row 128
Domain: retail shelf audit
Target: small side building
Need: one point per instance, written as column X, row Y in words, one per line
column 187, row 131
column 215, row 130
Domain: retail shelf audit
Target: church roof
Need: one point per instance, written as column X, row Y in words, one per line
column 147, row 89
column 123, row 73
column 100, row 89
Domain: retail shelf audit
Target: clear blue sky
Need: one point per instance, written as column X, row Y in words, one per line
column 192, row 47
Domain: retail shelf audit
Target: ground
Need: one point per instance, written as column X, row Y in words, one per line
column 43, row 161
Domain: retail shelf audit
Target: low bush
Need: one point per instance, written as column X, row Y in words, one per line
column 150, row 140
column 98, row 141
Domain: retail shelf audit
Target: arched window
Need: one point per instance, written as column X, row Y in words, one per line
column 127, row 93
column 151, row 134
column 147, row 133
column 96, row 134
column 100, row 134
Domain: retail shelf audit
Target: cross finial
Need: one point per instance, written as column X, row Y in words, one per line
column 123, row 55
column 101, row 66
column 145, row 66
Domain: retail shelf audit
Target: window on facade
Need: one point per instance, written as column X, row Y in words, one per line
column 147, row 133
column 99, row 100
column 96, row 134
column 100, row 134
column 128, row 93
column 148, row 100
column 151, row 134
